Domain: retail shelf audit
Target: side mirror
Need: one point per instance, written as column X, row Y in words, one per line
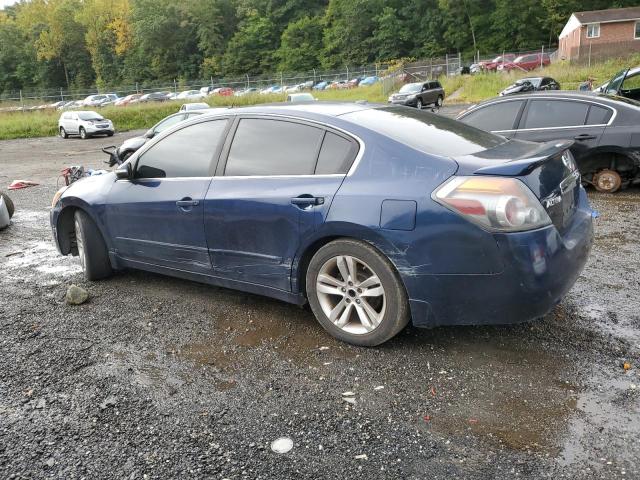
column 149, row 134
column 124, row 171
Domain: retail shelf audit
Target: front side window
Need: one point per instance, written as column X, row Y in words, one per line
column 555, row 113
column 496, row 117
column 593, row 30
column 185, row 153
column 273, row 147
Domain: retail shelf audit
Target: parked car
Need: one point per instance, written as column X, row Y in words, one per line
column 129, row 146
column 320, row 85
column 225, row 92
column 419, row 94
column 305, row 204
column 190, row 95
column 84, row 123
column 369, row 81
column 492, row 65
column 531, row 84
column 155, row 97
column 127, row 100
column 246, row 91
column 94, row 100
column 625, row 83
column 526, row 62
column 110, row 100
column 187, row 107
column 604, row 130
column 204, row 91
column 300, row 97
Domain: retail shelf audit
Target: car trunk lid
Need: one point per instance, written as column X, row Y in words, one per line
column 548, row 169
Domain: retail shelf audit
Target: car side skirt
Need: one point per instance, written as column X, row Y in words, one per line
column 262, row 290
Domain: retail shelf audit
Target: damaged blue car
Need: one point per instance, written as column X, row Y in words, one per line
column 376, row 216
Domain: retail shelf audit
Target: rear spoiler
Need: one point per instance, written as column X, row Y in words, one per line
column 524, row 166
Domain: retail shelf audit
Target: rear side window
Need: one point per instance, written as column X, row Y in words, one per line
column 185, row 153
column 496, row 117
column 273, row 147
column 336, row 155
column 598, row 115
column 555, row 113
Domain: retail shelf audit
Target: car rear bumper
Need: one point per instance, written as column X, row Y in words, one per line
column 541, row 266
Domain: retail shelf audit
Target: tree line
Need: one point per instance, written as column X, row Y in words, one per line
column 81, row 43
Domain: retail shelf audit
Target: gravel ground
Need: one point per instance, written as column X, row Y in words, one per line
column 156, row 377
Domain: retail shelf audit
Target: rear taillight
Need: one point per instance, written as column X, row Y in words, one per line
column 495, row 203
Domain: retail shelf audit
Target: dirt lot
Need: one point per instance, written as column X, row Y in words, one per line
column 155, row 377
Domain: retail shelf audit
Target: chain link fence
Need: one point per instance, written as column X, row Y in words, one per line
column 389, row 75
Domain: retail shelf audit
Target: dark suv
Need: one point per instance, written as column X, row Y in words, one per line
column 419, row 94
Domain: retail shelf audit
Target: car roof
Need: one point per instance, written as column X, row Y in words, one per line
column 330, row 109
column 559, row 95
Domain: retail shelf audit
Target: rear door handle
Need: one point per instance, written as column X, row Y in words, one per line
column 307, row 200
column 584, row 136
column 187, row 203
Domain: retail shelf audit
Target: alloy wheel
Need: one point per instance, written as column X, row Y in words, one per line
column 351, row 294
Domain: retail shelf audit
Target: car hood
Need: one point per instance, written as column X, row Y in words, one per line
column 512, row 89
column 132, row 143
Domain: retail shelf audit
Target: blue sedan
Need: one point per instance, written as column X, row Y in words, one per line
column 374, row 215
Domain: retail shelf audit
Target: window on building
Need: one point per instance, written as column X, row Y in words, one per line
column 593, row 30
column 637, row 32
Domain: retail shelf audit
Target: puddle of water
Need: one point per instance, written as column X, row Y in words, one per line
column 611, row 405
column 508, row 396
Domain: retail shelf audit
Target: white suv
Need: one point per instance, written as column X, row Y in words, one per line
column 85, row 124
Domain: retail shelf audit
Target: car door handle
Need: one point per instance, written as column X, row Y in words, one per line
column 584, row 136
column 307, row 200
column 187, row 203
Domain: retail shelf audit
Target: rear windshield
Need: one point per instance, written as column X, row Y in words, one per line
column 425, row 131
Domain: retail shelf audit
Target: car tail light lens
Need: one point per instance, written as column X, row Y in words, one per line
column 495, row 203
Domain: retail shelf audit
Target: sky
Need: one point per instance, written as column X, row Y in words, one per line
column 5, row 3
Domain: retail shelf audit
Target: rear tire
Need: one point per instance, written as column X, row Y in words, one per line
column 439, row 101
column 92, row 250
column 607, row 181
column 9, row 203
column 369, row 306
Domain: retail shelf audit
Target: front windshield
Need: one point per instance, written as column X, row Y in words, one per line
column 303, row 96
column 90, row 116
column 411, row 88
column 616, row 82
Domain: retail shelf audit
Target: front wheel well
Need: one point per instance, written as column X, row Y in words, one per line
column 66, row 231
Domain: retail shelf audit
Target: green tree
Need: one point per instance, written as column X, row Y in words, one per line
column 251, row 49
column 391, row 36
column 348, row 35
column 300, row 45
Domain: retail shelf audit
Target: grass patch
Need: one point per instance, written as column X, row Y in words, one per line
column 44, row 123
column 475, row 88
column 467, row 89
